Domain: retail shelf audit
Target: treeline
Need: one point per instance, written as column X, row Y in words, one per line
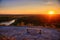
column 31, row 20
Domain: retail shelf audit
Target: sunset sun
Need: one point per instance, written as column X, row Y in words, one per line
column 51, row 12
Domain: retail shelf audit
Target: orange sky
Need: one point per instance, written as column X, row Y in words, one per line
column 30, row 8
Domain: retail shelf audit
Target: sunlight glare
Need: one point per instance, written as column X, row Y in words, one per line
column 51, row 12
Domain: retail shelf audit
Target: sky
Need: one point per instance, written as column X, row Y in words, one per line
column 29, row 6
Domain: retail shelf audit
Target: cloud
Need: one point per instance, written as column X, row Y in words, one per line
column 48, row 3
column 59, row 1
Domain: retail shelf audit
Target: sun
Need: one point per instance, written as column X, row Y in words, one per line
column 51, row 12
